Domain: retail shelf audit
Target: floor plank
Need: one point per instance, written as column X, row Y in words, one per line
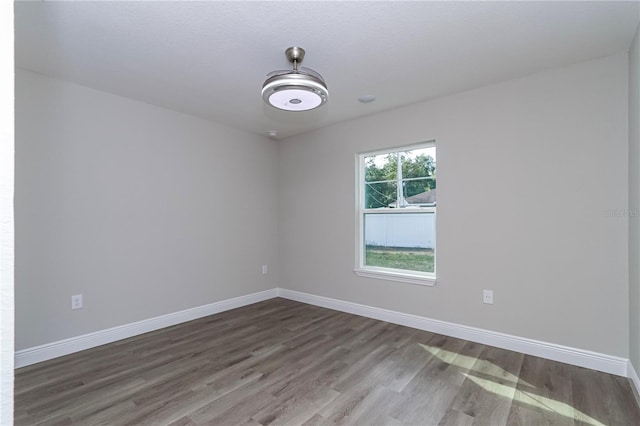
column 285, row 362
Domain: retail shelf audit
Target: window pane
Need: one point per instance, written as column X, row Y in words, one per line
column 380, row 194
column 381, row 181
column 400, row 241
column 419, row 192
column 430, row 151
column 417, row 174
column 419, row 177
column 380, row 167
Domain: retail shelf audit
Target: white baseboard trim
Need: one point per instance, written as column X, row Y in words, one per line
column 635, row 380
column 582, row 358
column 75, row 344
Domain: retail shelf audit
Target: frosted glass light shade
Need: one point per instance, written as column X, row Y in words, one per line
column 295, row 100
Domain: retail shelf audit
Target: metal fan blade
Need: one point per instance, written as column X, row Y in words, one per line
column 279, row 72
column 311, row 72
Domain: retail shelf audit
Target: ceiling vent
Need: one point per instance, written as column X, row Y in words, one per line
column 300, row 89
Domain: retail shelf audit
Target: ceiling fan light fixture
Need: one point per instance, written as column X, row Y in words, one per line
column 295, row 90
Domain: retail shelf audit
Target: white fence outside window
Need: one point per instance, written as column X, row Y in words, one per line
column 401, row 230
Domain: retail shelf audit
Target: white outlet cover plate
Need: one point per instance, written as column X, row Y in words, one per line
column 76, row 301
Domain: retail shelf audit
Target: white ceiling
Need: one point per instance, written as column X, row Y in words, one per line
column 211, row 58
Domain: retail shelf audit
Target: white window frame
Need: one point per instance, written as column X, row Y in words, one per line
column 362, row 270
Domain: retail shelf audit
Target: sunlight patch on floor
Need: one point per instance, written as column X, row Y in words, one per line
column 473, row 364
column 539, row 401
column 493, row 379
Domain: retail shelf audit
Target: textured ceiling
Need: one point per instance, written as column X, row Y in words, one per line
column 211, row 58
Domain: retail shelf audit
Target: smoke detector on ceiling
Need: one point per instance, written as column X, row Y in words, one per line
column 300, row 89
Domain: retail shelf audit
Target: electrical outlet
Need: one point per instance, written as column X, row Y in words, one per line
column 264, row 269
column 487, row 297
column 76, row 301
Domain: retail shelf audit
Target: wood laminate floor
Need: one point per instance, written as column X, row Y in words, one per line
column 284, row 362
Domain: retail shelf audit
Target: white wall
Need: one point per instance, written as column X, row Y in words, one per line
column 634, row 201
column 6, row 213
column 143, row 210
column 527, row 172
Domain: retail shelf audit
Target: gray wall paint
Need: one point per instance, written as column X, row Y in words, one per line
column 634, row 202
column 143, row 210
column 133, row 206
column 528, row 170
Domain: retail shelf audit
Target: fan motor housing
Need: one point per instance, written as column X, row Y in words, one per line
column 295, row 92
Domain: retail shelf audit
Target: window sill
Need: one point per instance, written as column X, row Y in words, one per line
column 396, row 276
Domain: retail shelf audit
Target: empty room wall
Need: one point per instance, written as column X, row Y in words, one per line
column 143, row 210
column 6, row 214
column 532, row 176
column 634, row 201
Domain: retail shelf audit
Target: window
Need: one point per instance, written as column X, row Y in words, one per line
column 397, row 214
